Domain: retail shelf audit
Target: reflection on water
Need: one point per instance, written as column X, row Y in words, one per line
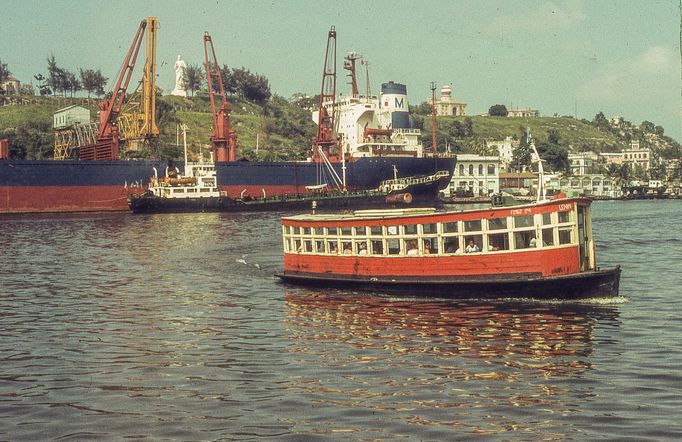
column 451, row 356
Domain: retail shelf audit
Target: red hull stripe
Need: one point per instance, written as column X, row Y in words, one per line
column 551, row 262
column 29, row 199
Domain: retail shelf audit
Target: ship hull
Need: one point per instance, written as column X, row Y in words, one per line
column 28, row 186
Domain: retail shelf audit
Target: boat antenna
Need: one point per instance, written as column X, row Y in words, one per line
column 541, row 173
column 434, row 150
column 183, row 126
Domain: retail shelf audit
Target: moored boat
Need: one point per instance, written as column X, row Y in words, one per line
column 540, row 250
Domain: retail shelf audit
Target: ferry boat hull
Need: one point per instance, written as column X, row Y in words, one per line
column 592, row 284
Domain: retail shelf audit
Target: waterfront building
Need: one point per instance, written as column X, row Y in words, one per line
column 637, row 156
column 475, row 175
column 518, row 183
column 583, row 162
column 612, row 157
column 447, row 106
column 585, row 185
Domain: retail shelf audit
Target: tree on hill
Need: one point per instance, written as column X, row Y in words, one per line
column 194, row 78
column 498, row 110
column 600, row 122
column 4, row 74
column 554, row 153
column 93, row 81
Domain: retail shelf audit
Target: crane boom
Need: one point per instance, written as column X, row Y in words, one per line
column 107, row 145
column 325, row 121
column 224, row 138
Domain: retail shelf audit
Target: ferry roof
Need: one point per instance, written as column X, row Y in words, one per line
column 386, row 214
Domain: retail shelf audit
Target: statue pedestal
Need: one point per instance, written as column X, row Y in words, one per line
column 179, row 92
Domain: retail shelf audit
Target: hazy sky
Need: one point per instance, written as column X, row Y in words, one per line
column 616, row 56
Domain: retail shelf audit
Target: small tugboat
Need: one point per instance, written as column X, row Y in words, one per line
column 539, row 250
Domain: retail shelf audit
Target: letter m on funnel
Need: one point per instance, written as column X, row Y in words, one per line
column 399, row 102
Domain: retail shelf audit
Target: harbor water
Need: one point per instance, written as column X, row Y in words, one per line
column 118, row 326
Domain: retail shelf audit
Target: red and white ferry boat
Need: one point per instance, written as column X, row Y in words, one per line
column 544, row 249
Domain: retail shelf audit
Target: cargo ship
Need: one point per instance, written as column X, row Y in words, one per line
column 373, row 140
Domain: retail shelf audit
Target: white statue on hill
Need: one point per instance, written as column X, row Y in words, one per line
column 180, row 67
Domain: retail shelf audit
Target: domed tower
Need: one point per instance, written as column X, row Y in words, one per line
column 446, row 93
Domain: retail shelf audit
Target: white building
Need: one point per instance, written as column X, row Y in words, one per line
column 505, row 150
column 69, row 116
column 447, row 106
column 523, row 113
column 636, row 156
column 475, row 174
column 583, row 162
column 588, row 185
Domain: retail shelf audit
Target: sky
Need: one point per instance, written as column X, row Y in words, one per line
column 572, row 57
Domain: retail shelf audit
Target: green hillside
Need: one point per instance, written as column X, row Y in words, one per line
column 284, row 130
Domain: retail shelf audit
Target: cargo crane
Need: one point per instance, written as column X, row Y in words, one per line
column 106, row 146
column 324, row 142
column 224, row 138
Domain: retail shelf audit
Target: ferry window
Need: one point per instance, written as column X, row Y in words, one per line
column 392, row 230
column 306, row 230
column 472, row 226
column 474, row 243
column 346, row 231
column 191, row 190
column 451, row 245
column 299, row 230
column 393, row 246
column 546, row 218
column 410, row 229
column 361, row 231
column 204, row 190
column 347, row 248
column 319, row 246
column 523, row 221
column 524, row 240
column 375, row 230
column 548, row 237
column 430, row 228
column 497, row 223
column 410, row 246
column 564, row 236
column 307, row 246
column 430, row 246
column 377, row 247
column 297, row 245
column 564, row 217
column 332, row 231
column 318, row 231
column 361, row 247
column 450, row 227
column 292, row 230
column 498, row 241
column 332, row 247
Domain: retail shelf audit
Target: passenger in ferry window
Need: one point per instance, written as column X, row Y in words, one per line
column 333, row 249
column 471, row 246
column 533, row 242
column 451, row 245
column 427, row 248
column 493, row 247
column 363, row 249
column 412, row 248
column 347, row 250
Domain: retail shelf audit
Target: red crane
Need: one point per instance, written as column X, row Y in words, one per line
column 224, row 138
column 107, row 145
column 325, row 121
